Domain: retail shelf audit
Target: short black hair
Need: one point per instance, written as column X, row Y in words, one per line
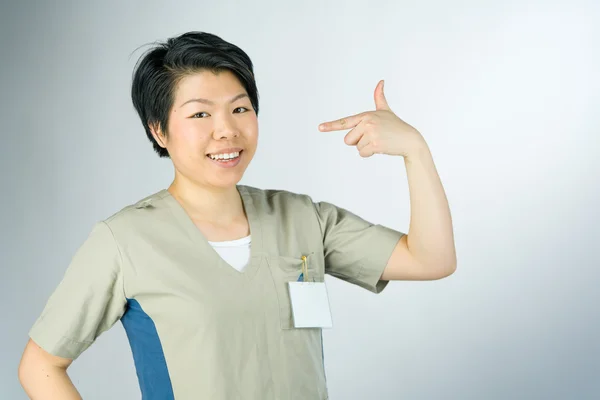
column 159, row 69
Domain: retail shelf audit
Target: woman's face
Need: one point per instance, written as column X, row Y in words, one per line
column 213, row 129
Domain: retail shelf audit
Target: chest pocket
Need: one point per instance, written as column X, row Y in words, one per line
column 289, row 269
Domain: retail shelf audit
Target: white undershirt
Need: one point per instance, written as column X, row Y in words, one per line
column 235, row 252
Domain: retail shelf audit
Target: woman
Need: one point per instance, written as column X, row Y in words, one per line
column 213, row 281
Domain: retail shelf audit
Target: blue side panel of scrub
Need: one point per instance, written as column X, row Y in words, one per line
column 148, row 355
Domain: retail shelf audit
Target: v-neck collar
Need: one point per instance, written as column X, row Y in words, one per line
column 203, row 247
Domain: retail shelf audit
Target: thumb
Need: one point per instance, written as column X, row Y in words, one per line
column 380, row 101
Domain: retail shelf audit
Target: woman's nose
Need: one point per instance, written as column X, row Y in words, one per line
column 225, row 129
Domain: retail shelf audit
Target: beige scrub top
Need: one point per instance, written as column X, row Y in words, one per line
column 198, row 328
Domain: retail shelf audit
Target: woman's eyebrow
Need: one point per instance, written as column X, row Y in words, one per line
column 210, row 103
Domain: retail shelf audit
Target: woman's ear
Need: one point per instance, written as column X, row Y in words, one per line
column 158, row 135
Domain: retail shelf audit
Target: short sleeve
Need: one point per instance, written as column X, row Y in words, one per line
column 355, row 250
column 88, row 300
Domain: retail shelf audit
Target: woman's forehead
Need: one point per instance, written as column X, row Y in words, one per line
column 216, row 87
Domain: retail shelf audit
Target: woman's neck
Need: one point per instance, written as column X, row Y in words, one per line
column 214, row 205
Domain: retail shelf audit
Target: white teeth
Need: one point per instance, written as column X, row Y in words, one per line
column 225, row 156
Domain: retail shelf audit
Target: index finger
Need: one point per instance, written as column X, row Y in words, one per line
column 341, row 124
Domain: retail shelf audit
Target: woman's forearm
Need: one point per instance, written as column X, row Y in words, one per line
column 430, row 235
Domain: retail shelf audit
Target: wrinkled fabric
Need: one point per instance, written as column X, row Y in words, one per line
column 198, row 328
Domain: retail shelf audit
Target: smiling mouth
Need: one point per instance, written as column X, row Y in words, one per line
column 225, row 157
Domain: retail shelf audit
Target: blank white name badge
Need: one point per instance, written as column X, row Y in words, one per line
column 310, row 305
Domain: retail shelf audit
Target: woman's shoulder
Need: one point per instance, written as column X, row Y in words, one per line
column 140, row 212
column 271, row 196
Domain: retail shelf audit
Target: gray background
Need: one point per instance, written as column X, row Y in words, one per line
column 507, row 94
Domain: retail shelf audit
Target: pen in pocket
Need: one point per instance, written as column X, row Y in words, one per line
column 304, row 274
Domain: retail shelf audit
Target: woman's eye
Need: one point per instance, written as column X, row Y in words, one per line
column 243, row 109
column 200, row 115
